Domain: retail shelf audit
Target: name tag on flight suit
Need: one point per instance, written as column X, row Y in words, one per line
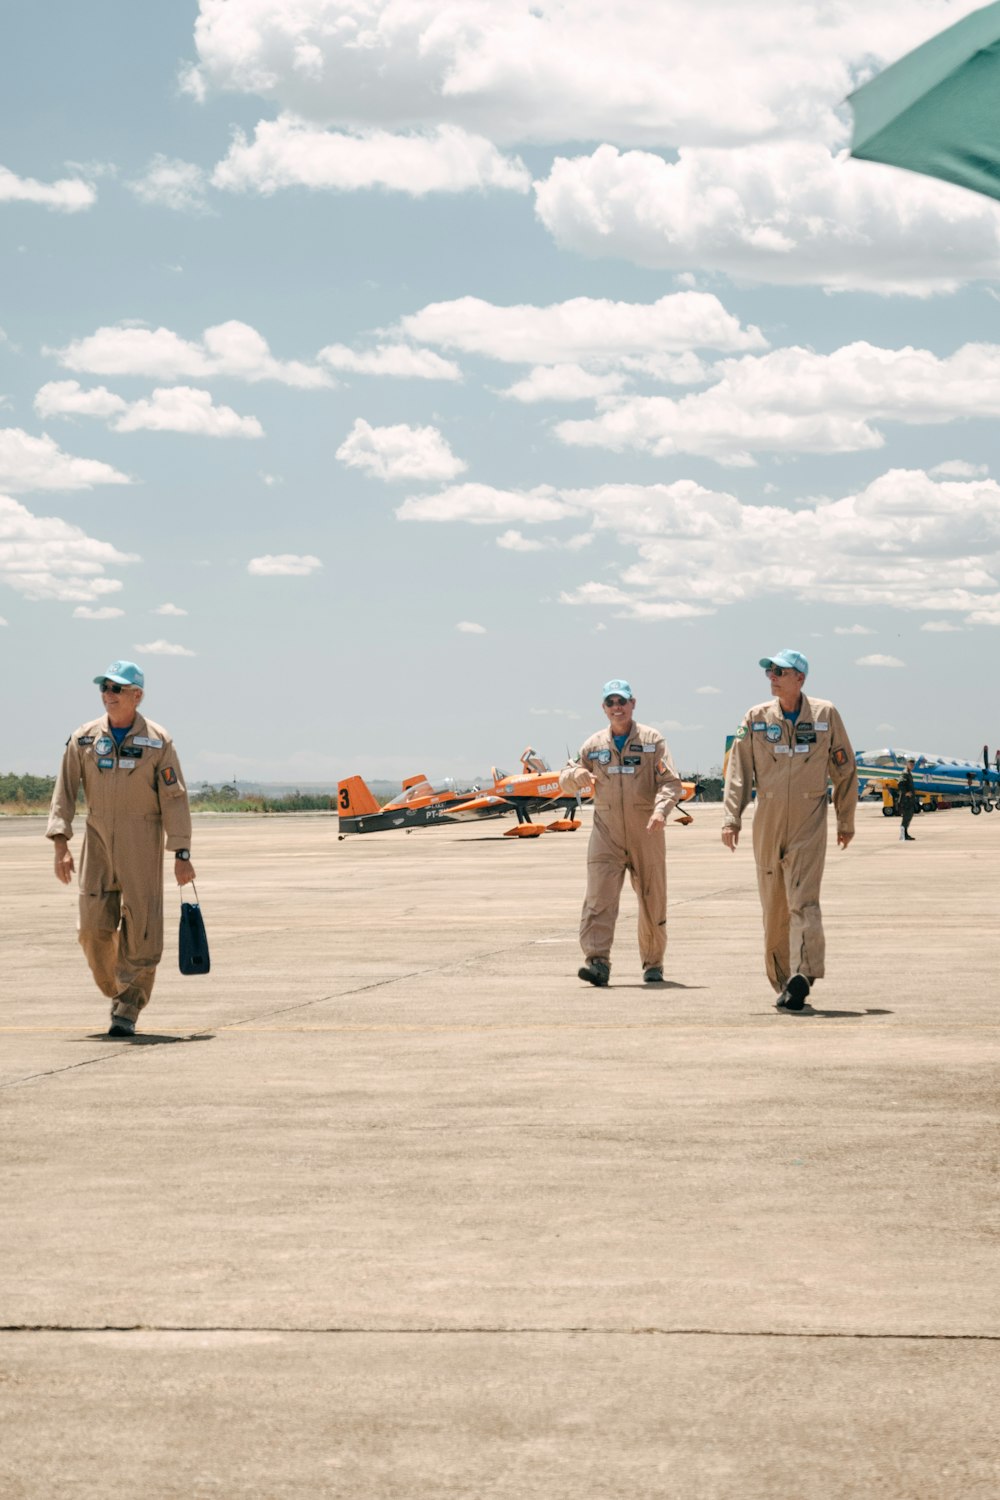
column 142, row 739
column 802, row 749
column 126, row 765
column 782, row 749
column 106, row 762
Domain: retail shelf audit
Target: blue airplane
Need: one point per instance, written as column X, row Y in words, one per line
column 937, row 779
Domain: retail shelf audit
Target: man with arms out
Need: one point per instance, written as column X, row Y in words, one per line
column 787, row 749
column 134, row 792
column 635, row 786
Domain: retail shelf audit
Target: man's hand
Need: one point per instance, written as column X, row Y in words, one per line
column 730, row 837
column 584, row 778
column 64, row 861
column 656, row 821
column 183, row 871
column 843, row 839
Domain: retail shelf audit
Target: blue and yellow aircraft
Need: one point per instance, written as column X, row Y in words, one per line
column 938, row 780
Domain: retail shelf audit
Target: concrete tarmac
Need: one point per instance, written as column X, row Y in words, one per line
column 391, row 1206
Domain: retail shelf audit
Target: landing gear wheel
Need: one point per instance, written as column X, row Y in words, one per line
column 976, row 809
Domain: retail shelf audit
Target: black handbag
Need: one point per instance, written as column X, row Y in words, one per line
column 193, row 948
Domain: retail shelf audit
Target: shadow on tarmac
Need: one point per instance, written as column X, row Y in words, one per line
column 661, row 984
column 148, row 1038
column 809, row 1011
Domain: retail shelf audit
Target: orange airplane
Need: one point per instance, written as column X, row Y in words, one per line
column 419, row 805
column 533, row 789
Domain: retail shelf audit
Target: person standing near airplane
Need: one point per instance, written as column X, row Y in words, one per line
column 906, row 796
column 786, row 750
column 135, row 794
column 635, row 786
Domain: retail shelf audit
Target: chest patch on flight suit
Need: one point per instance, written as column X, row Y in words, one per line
column 636, row 745
column 802, row 749
column 126, row 765
column 647, row 749
column 143, row 739
column 601, row 756
column 782, row 749
column 823, row 727
column 130, row 752
column 105, row 745
column 758, row 726
column 106, row 762
column 169, row 776
column 805, row 733
column 85, row 739
column 632, row 760
column 774, row 733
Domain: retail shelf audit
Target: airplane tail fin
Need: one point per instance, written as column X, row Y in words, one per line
column 354, row 799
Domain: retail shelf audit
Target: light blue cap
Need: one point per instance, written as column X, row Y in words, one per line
column 618, row 688
column 125, row 672
column 793, row 659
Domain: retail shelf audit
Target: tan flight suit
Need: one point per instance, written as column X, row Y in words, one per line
column 631, row 784
column 133, row 794
column 790, row 765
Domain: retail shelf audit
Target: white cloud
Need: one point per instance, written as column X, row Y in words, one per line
column 583, row 329
column 69, row 195
column 233, row 349
column 3, row 621
column 170, row 183
column 106, row 612
column 791, row 212
column 794, row 400
column 483, row 505
column 516, row 541
column 172, row 409
column 638, row 73
column 167, row 609
column 44, row 557
column 879, row 661
column 68, row 398
column 399, row 452
column 563, row 383
column 288, row 152
column 940, row 627
column 37, row 463
column 958, row 468
column 713, row 690
column 852, row 630
column 905, row 541
column 469, row 627
column 283, row 565
column 162, row 648
column 390, row 359
column 182, row 408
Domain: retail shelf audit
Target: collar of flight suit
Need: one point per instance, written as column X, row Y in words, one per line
column 774, row 714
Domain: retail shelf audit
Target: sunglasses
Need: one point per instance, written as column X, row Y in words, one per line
column 114, row 687
column 615, row 702
column 776, row 671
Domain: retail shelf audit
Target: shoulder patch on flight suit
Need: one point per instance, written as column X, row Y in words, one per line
column 741, row 733
column 169, row 776
column 840, row 757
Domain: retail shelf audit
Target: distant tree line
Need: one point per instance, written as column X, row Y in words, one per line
column 27, row 791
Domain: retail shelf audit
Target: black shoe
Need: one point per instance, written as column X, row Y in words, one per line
column 909, row 838
column 121, row 1026
column 795, row 994
column 653, row 975
column 595, row 971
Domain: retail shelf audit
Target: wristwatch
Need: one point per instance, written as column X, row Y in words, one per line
column 182, row 854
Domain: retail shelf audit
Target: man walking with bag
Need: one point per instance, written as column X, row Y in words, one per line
column 135, row 794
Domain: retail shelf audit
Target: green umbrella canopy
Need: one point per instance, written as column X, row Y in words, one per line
column 937, row 110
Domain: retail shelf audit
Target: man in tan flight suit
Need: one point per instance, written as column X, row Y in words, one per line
column 134, row 792
column 788, row 748
column 635, row 786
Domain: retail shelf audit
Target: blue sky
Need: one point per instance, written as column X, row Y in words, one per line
column 384, row 376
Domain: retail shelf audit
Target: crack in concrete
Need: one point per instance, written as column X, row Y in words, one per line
column 490, row 1328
